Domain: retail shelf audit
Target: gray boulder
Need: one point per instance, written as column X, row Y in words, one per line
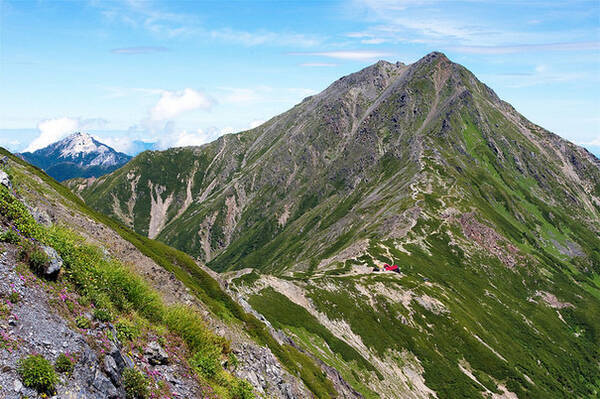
column 156, row 354
column 110, row 366
column 5, row 180
column 55, row 263
column 103, row 385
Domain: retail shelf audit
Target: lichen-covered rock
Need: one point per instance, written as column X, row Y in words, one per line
column 55, row 261
column 5, row 179
column 155, row 354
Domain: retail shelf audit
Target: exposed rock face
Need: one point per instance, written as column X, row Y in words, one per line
column 155, row 354
column 259, row 367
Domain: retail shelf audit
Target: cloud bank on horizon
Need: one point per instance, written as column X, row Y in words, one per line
column 179, row 73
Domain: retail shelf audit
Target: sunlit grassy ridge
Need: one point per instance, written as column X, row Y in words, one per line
column 198, row 281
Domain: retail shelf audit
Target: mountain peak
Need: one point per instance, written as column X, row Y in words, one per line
column 77, row 155
column 435, row 57
column 79, row 143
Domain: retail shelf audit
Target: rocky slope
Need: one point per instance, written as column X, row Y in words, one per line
column 56, row 313
column 78, row 155
column 493, row 221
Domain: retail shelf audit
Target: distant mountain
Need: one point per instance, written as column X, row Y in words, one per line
column 78, row 155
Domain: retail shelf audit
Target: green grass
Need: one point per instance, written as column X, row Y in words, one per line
column 282, row 312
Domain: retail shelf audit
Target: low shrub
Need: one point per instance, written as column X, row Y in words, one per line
column 206, row 364
column 38, row 260
column 83, row 322
column 4, row 310
column 106, row 282
column 189, row 325
column 34, row 256
column 126, row 330
column 10, row 236
column 241, row 389
column 17, row 213
column 64, row 363
column 36, row 372
column 135, row 384
column 232, row 361
column 103, row 315
column 14, row 297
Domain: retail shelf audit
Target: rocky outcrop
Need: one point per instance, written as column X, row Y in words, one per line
column 155, row 354
column 260, row 367
column 34, row 324
column 55, row 262
column 5, row 179
column 34, row 327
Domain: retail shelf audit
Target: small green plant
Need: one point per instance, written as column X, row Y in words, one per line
column 36, row 372
column 126, row 330
column 10, row 236
column 241, row 389
column 135, row 384
column 64, row 363
column 4, row 310
column 83, row 322
column 232, row 361
column 34, row 256
column 17, row 213
column 206, row 363
column 14, row 297
column 102, row 315
column 38, row 260
column 84, row 301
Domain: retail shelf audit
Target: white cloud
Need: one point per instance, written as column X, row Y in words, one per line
column 52, row 130
column 120, row 143
column 438, row 24
column 374, row 40
column 594, row 142
column 227, row 130
column 184, row 138
column 256, row 123
column 346, row 55
column 238, row 95
column 173, row 103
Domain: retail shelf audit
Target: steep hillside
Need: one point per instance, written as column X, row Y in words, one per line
column 493, row 221
column 78, row 155
column 126, row 311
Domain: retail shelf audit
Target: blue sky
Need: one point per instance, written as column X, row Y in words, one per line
column 181, row 73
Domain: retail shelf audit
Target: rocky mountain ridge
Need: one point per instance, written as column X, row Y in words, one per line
column 421, row 166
